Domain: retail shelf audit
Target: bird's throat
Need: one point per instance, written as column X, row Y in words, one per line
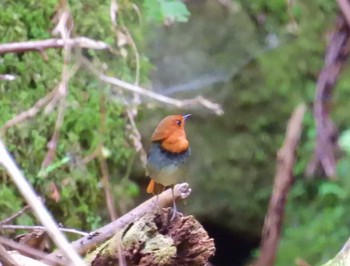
column 175, row 145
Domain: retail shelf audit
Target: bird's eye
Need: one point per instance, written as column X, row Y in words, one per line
column 178, row 122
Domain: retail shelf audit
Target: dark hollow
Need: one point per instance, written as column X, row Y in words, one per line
column 232, row 249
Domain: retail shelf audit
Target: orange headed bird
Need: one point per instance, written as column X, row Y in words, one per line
column 169, row 151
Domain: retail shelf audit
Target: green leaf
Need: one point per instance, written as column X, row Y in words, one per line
column 53, row 166
column 332, row 189
column 344, row 141
column 160, row 10
column 175, row 10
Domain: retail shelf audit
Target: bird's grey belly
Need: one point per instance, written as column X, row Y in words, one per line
column 164, row 167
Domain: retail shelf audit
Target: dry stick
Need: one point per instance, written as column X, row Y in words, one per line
column 31, row 112
column 83, row 245
column 5, row 257
column 29, row 250
column 7, row 77
column 336, row 57
column 35, row 227
column 103, row 164
column 37, row 107
column 83, row 42
column 14, row 216
column 216, row 108
column 38, row 207
column 283, row 181
column 62, row 29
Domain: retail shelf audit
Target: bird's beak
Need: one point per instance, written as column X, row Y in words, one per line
column 186, row 116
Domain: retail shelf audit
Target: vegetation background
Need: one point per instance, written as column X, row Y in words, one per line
column 258, row 59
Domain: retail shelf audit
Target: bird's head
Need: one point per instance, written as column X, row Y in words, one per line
column 170, row 133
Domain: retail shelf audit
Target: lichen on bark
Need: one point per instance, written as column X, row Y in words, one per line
column 155, row 240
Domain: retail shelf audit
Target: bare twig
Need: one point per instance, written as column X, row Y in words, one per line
column 14, row 216
column 94, row 238
column 28, row 250
column 5, row 258
column 34, row 227
column 103, row 164
column 216, row 108
column 37, row 206
column 31, row 112
column 283, row 181
column 48, row 101
column 7, row 77
column 83, row 42
column 64, row 27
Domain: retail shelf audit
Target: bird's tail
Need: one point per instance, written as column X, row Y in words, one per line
column 154, row 188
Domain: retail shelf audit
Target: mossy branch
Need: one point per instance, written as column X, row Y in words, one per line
column 155, row 240
column 95, row 238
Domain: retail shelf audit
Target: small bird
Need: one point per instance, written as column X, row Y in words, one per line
column 169, row 151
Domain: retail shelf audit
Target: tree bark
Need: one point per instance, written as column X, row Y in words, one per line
column 283, row 181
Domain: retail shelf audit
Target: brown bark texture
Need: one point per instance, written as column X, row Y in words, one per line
column 154, row 239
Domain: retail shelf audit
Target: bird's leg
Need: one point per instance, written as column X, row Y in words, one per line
column 174, row 204
column 156, row 203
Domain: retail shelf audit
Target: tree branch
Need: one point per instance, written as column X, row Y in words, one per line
column 14, row 216
column 95, row 238
column 83, row 42
column 216, row 108
column 6, row 258
column 283, row 181
column 324, row 161
column 36, row 227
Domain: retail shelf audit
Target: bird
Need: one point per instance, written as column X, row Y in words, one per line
column 169, row 152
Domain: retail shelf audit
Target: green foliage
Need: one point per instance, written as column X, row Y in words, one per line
column 81, row 202
column 316, row 222
column 317, row 214
column 344, row 141
column 162, row 10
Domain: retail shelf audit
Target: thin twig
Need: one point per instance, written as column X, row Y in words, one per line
column 7, row 77
column 165, row 199
column 83, row 42
column 283, row 181
column 64, row 30
column 5, row 258
column 29, row 250
column 31, row 112
column 137, row 55
column 34, row 227
column 88, row 158
column 14, row 216
column 103, row 164
column 216, row 108
column 37, row 206
column 48, row 101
